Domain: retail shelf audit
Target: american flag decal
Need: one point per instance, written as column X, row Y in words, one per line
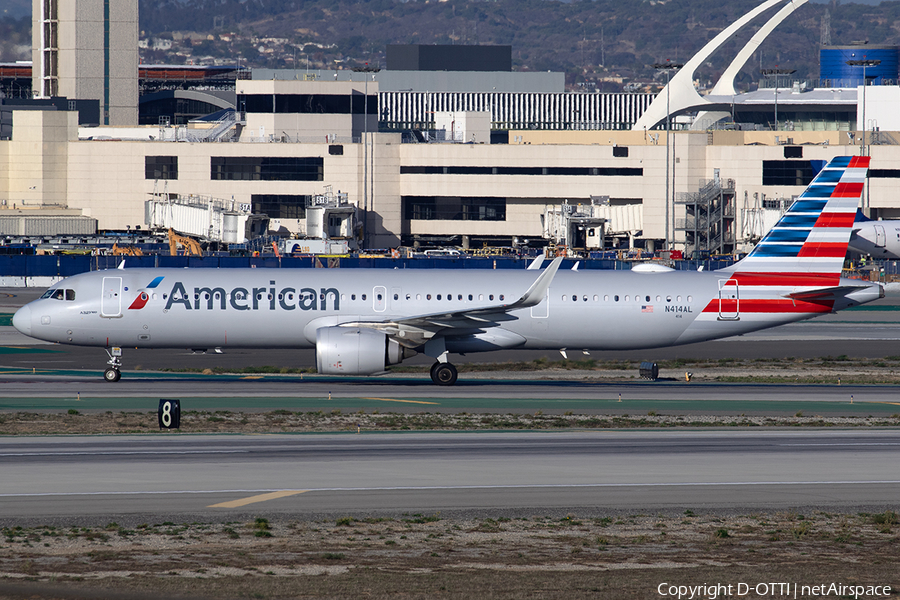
column 647, row 308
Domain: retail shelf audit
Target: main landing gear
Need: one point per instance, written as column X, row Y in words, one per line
column 113, row 373
column 443, row 373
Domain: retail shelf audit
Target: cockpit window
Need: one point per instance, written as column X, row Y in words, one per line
column 60, row 294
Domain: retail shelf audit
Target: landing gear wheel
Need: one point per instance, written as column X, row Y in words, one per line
column 443, row 374
column 112, row 375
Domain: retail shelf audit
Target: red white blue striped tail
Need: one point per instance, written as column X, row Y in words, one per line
column 812, row 236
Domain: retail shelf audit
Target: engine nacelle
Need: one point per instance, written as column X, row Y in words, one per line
column 356, row 351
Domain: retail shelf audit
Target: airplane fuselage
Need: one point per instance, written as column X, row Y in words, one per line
column 284, row 308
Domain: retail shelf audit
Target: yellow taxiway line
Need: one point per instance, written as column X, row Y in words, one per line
column 254, row 499
column 405, row 401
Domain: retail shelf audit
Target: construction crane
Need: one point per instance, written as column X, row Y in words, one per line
column 190, row 245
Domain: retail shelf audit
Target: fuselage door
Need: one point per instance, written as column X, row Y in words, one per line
column 879, row 236
column 542, row 310
column 111, row 300
column 379, row 302
column 729, row 300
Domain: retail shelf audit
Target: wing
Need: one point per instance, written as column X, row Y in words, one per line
column 416, row 330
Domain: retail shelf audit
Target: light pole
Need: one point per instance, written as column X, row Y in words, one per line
column 874, row 62
column 366, row 70
column 668, row 67
column 776, row 72
column 864, row 63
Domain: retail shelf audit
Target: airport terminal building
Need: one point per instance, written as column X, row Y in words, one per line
column 427, row 164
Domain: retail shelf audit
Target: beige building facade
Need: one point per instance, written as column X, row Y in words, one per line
column 430, row 193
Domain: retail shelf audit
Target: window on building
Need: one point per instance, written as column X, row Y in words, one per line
column 450, row 208
column 267, row 168
column 280, row 206
column 460, row 170
column 326, row 104
column 160, row 167
column 620, row 151
column 793, row 151
column 787, row 172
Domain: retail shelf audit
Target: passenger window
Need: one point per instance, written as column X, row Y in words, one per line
column 502, row 296
column 626, row 297
column 668, row 298
column 470, row 297
column 418, row 296
column 690, row 298
column 353, row 296
column 648, row 298
column 574, row 298
column 616, row 298
column 459, row 296
column 380, row 297
column 564, row 298
column 438, row 296
column 396, row 296
column 659, row 298
column 584, row 298
column 343, row 297
column 491, row 296
column 678, row 298
column 596, row 298
column 409, row 296
column 606, row 297
column 428, row 297
column 363, row 296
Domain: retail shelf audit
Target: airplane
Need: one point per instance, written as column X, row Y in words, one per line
column 880, row 239
column 362, row 321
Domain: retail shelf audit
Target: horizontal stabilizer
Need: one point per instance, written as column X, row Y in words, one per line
column 826, row 293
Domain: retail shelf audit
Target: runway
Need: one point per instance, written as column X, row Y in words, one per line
column 179, row 478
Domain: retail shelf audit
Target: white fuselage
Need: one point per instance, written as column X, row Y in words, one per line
column 283, row 308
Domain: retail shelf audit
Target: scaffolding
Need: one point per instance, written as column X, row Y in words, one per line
column 708, row 223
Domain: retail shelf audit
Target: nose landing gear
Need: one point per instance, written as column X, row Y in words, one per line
column 113, row 373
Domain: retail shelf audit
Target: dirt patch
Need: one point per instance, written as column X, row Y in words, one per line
column 430, row 556
column 284, row 421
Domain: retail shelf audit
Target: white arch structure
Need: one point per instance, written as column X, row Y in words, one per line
column 680, row 89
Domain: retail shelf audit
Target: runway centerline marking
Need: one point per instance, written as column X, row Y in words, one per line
column 404, row 401
column 258, row 498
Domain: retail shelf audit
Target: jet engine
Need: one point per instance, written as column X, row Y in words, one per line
column 356, row 351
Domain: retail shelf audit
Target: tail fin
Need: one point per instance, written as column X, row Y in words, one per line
column 811, row 237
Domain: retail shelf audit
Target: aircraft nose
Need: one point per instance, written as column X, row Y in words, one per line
column 22, row 320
